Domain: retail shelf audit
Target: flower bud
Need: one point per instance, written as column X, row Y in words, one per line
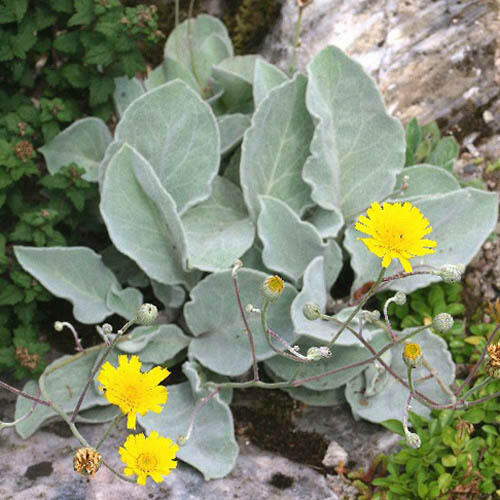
column 370, row 316
column 182, row 440
column 412, row 355
column 86, row 461
column 107, row 328
column 58, row 326
column 311, row 311
column 317, row 353
column 399, row 298
column 450, row 273
column 272, row 288
column 412, row 439
column 146, row 314
column 442, row 322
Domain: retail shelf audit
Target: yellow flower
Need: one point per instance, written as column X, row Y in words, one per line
column 130, row 389
column 396, row 232
column 152, row 456
column 412, row 355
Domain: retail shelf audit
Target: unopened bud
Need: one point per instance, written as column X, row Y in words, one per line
column 182, row 440
column 442, row 322
column 317, row 353
column 58, row 326
column 399, row 298
column 412, row 355
column 412, row 439
column 404, row 184
column 146, row 314
column 311, row 311
column 272, row 288
column 107, row 328
column 450, row 273
column 237, row 265
column 370, row 316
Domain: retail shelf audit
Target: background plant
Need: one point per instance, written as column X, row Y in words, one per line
column 213, row 148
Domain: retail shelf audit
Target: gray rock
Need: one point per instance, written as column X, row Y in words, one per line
column 334, row 455
column 431, row 59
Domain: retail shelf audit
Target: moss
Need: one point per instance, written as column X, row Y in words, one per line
column 249, row 21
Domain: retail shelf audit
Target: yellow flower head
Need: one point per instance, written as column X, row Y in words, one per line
column 130, row 389
column 412, row 351
column 152, row 456
column 272, row 288
column 396, row 231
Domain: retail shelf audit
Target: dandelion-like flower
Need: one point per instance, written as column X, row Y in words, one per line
column 130, row 389
column 272, row 288
column 412, row 355
column 397, row 231
column 148, row 456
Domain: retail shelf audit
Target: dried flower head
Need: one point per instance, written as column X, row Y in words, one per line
column 130, row 389
column 272, row 288
column 148, row 456
column 494, row 354
column 397, row 231
column 86, row 461
column 27, row 360
column 24, row 150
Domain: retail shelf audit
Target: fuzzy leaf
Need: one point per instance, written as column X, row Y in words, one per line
column 275, row 148
column 390, row 402
column 212, row 315
column 76, row 274
column 141, row 218
column 64, row 386
column 357, row 149
column 169, row 296
column 212, row 448
column 170, row 70
column 327, row 222
column 231, row 129
column 124, row 302
column 266, row 78
column 126, row 91
column 218, row 230
column 84, row 143
column 176, row 132
column 290, row 243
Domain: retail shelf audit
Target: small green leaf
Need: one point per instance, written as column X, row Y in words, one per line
column 449, row 460
column 84, row 13
column 394, row 426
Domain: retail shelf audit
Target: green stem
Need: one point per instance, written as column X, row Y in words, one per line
column 108, row 430
column 410, row 380
column 477, row 388
column 358, row 307
column 293, row 65
column 176, row 13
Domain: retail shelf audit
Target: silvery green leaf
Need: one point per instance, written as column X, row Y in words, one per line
column 197, row 44
column 126, row 91
column 235, row 76
column 125, row 269
column 218, row 230
column 76, row 274
column 252, row 259
column 327, row 222
column 212, row 448
column 312, row 398
column 124, row 302
column 98, row 414
column 275, row 148
column 176, row 132
column 231, row 130
column 342, row 356
column 147, row 230
column 290, row 243
column 212, row 315
column 266, row 77
column 158, row 77
column 389, row 403
column 357, row 148
column 445, row 153
column 425, row 180
column 461, row 220
column 83, row 143
column 198, row 375
column 155, row 344
column 376, row 376
column 170, row 296
column 173, row 69
column 64, row 386
column 112, row 148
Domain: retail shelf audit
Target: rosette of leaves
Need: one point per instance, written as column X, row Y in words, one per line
column 217, row 157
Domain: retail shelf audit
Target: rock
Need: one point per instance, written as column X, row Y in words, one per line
column 431, row 59
column 334, row 455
